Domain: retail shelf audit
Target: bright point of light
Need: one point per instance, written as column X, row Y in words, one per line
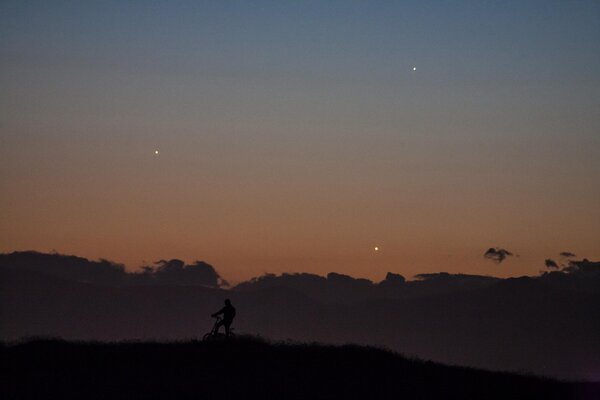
column 376, row 248
column 414, row 68
column 155, row 151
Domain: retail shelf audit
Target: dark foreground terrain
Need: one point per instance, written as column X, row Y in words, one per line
column 546, row 325
column 251, row 368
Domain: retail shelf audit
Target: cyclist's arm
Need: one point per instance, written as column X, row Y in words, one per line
column 221, row 311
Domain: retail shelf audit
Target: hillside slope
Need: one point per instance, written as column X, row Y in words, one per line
column 251, row 368
column 546, row 325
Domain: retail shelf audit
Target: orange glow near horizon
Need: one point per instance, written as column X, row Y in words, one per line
column 295, row 223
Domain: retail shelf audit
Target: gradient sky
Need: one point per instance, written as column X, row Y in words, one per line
column 296, row 136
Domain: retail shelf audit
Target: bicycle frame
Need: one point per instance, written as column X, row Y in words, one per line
column 213, row 332
column 214, row 328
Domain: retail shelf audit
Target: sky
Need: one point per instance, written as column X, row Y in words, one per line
column 298, row 136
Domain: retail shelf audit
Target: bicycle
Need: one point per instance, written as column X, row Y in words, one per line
column 213, row 334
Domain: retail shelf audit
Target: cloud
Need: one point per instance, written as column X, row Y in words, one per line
column 497, row 254
column 105, row 272
column 174, row 265
column 393, row 279
column 550, row 263
column 346, row 280
column 584, row 267
column 176, row 272
column 67, row 267
column 302, row 281
column 334, row 288
column 567, row 254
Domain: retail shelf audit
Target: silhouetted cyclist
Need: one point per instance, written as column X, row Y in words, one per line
column 228, row 315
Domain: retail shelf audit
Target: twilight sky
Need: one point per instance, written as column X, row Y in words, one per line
column 296, row 136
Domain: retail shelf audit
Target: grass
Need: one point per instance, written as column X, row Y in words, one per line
column 250, row 367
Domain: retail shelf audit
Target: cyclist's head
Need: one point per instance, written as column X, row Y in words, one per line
column 227, row 302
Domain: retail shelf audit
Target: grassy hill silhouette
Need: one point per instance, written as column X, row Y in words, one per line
column 248, row 367
column 546, row 325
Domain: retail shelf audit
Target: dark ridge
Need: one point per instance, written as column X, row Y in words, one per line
column 546, row 324
column 249, row 367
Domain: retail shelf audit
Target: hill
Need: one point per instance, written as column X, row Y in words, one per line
column 546, row 325
column 252, row 368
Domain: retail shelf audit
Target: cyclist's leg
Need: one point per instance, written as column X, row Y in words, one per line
column 218, row 325
column 227, row 325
